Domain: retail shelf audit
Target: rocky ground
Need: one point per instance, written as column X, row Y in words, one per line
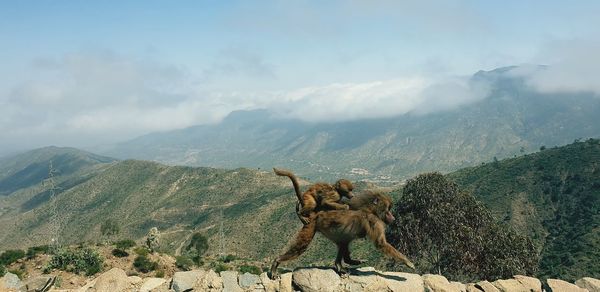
column 303, row 279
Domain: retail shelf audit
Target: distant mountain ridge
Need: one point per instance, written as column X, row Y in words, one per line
column 513, row 120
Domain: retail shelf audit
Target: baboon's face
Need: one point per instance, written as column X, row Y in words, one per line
column 344, row 187
column 382, row 205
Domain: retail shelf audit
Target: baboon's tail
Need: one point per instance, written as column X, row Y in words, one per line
column 289, row 174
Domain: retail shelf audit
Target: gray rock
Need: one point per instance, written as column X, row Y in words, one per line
column 230, row 281
column 316, row 280
column 38, row 283
column 563, row 286
column 593, row 285
column 11, row 281
column 247, row 280
column 184, row 281
column 151, row 283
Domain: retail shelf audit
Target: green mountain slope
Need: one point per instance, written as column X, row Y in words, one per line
column 513, row 120
column 552, row 195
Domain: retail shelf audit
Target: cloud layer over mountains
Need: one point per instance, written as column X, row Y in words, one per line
column 104, row 97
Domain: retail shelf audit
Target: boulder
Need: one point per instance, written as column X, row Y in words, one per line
column 593, row 285
column 230, row 281
column 316, row 280
column 113, row 280
column 397, row 281
column 365, row 279
column 247, row 280
column 530, row 283
column 472, row 288
column 209, row 281
column 184, row 281
column 134, row 280
column 486, row 286
column 285, row 283
column 270, row 285
column 460, row 286
column 11, row 281
column 510, row 285
column 563, row 286
column 40, row 283
column 151, row 283
column 439, row 283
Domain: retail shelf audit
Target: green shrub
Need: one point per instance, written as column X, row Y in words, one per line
column 35, row 250
column 250, row 269
column 2, row 270
column 144, row 265
column 160, row 273
column 141, row 251
column 184, row 263
column 229, row 258
column 219, row 267
column 119, row 253
column 77, row 261
column 10, row 256
column 125, row 244
column 199, row 244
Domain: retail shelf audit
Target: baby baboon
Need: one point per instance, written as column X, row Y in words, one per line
column 344, row 226
column 319, row 196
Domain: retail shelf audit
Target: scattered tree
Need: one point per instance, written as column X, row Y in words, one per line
column 199, row 245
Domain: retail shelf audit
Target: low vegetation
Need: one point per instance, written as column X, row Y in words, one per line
column 79, row 260
column 143, row 264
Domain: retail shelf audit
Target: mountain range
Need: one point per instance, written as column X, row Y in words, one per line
column 553, row 196
column 512, row 120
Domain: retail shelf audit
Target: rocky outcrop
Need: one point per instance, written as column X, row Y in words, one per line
column 303, row 279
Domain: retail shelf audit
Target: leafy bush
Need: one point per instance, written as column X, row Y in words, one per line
column 119, row 253
column 35, row 250
column 83, row 260
column 125, row 244
column 199, row 244
column 250, row 269
column 219, row 267
column 144, row 265
column 447, row 231
column 2, row 270
column 10, row 256
column 141, row 251
column 184, row 263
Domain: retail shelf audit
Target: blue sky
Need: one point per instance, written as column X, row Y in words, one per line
column 83, row 72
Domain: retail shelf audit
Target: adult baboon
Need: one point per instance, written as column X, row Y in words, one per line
column 343, row 226
column 319, row 196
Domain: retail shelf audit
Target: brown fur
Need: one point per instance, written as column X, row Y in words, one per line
column 319, row 196
column 371, row 214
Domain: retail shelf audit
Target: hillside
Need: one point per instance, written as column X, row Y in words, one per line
column 513, row 120
column 552, row 195
column 255, row 210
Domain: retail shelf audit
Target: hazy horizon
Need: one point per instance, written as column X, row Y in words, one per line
column 86, row 74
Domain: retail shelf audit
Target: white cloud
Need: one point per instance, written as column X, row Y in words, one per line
column 573, row 66
column 86, row 99
column 340, row 102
